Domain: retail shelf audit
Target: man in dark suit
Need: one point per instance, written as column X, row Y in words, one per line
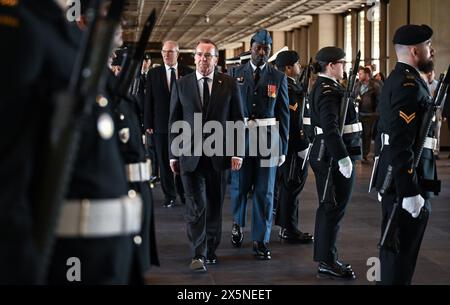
column 203, row 98
column 156, row 115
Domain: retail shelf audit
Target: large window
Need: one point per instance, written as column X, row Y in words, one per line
column 375, row 23
column 348, row 41
column 361, row 34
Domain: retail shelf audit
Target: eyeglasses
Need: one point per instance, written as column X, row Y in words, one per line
column 207, row 55
column 168, row 51
column 339, row 62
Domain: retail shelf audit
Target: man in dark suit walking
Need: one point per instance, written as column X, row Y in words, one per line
column 211, row 98
column 156, row 115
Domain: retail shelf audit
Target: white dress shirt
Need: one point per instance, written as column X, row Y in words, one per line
column 168, row 73
column 200, row 83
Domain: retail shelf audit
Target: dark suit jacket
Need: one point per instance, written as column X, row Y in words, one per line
column 224, row 105
column 156, row 108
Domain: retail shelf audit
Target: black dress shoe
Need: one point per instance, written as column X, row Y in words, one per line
column 335, row 270
column 236, row 236
column 211, row 259
column 261, row 251
column 296, row 237
column 169, row 203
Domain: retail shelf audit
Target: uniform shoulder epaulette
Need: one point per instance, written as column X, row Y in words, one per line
column 409, row 80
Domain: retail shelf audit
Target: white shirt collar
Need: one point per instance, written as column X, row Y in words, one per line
column 168, row 67
column 326, row 76
column 254, row 67
column 200, row 76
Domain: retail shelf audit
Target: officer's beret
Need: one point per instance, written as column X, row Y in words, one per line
column 412, row 34
column 120, row 57
column 286, row 58
column 330, row 54
column 262, row 37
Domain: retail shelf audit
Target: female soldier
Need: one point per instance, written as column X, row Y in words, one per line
column 326, row 99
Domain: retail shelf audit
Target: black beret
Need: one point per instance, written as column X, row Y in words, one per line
column 330, row 54
column 262, row 37
column 286, row 58
column 412, row 34
column 120, row 57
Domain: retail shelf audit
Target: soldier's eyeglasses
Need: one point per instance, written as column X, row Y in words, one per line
column 339, row 62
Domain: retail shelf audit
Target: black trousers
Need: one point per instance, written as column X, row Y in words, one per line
column 151, row 154
column 171, row 184
column 204, row 194
column 332, row 210
column 397, row 267
column 103, row 261
column 287, row 191
column 367, row 126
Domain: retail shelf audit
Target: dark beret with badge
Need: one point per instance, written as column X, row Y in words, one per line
column 330, row 54
column 412, row 34
column 262, row 37
column 286, row 58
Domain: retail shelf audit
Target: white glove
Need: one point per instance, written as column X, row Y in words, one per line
column 346, row 167
column 379, row 197
column 281, row 160
column 413, row 205
column 302, row 154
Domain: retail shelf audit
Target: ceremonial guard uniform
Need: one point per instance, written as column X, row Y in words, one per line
column 326, row 99
column 404, row 98
column 291, row 176
column 36, row 59
column 138, row 172
column 101, row 214
column 265, row 102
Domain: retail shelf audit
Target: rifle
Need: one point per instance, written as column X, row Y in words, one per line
column 348, row 96
column 133, row 61
column 437, row 102
column 71, row 108
column 305, row 83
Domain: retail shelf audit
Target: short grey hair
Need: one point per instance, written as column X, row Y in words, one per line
column 177, row 47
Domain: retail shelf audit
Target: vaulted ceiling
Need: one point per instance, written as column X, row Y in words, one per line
column 226, row 22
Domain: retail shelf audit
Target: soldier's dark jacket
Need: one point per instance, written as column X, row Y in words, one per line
column 403, row 100
column 297, row 138
column 36, row 57
column 325, row 101
column 129, row 130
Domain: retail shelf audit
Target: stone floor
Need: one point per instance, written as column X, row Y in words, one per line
column 293, row 264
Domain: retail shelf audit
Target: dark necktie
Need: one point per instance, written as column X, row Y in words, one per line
column 205, row 95
column 257, row 75
column 173, row 78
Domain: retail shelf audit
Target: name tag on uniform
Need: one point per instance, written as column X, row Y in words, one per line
column 272, row 91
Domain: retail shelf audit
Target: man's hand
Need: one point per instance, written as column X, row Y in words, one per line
column 236, row 163
column 281, row 160
column 346, row 167
column 174, row 166
column 413, row 205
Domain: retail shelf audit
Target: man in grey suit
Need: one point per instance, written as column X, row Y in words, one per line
column 212, row 98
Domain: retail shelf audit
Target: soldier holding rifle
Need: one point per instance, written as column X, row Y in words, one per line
column 337, row 143
column 406, row 178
